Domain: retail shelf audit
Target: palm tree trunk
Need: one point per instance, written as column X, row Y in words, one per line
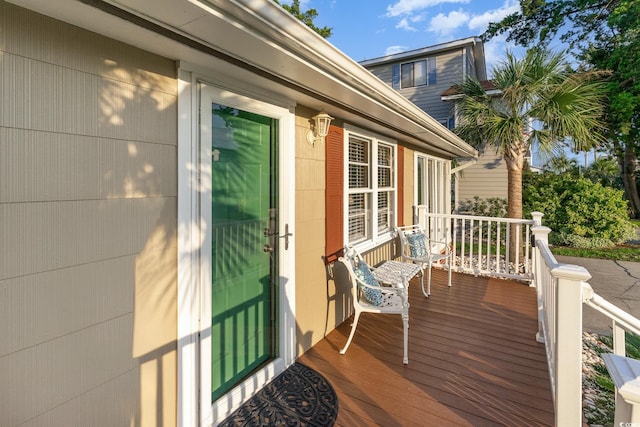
column 515, row 164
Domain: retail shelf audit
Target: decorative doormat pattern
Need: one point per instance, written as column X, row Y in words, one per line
column 299, row 396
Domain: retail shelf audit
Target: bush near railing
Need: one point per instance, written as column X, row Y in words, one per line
column 581, row 213
column 493, row 206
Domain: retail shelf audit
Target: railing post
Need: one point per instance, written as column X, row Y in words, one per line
column 537, row 218
column 625, row 373
column 568, row 353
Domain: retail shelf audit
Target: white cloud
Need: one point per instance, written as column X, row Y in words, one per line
column 445, row 25
column 391, row 50
column 403, row 24
column 479, row 23
column 408, row 7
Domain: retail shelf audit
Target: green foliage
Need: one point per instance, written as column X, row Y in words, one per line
column 618, row 253
column 606, row 36
column 632, row 345
column 492, row 206
column 579, row 212
column 538, row 88
column 306, row 17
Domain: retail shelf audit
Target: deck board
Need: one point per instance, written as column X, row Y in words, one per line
column 473, row 360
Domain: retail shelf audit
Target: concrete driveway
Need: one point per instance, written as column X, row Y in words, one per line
column 616, row 281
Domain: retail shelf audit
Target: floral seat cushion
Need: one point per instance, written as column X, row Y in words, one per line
column 417, row 245
column 363, row 272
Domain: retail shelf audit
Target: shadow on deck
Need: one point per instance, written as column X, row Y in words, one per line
column 473, row 360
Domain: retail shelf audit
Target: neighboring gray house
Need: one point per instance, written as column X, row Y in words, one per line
column 424, row 77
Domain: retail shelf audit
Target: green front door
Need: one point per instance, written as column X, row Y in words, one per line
column 244, row 244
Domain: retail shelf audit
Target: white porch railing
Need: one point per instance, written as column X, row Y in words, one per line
column 562, row 289
column 482, row 245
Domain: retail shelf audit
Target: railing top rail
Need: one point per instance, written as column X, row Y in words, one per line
column 621, row 317
column 547, row 256
column 480, row 218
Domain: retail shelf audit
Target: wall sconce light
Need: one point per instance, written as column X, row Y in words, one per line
column 320, row 128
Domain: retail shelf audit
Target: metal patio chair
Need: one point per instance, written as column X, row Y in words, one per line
column 371, row 295
column 417, row 247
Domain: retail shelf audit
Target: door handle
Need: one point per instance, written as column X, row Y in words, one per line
column 267, row 232
column 285, row 236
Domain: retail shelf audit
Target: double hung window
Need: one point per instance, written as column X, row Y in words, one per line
column 416, row 73
column 371, row 188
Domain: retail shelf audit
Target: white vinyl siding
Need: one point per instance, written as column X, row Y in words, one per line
column 88, row 223
column 371, row 188
column 487, row 178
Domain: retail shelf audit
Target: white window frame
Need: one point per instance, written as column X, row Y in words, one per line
column 376, row 237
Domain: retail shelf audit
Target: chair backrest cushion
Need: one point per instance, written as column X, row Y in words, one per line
column 417, row 244
column 363, row 272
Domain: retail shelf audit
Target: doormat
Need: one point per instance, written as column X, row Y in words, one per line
column 299, row 396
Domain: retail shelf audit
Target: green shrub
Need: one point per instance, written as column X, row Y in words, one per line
column 492, row 206
column 579, row 212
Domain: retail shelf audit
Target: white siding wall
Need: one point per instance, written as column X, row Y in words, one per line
column 487, row 178
column 88, row 190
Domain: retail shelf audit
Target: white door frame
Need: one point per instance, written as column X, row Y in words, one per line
column 194, row 249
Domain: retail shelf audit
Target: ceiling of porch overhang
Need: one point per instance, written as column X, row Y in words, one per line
column 256, row 39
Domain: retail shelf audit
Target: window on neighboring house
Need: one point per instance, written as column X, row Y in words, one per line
column 448, row 122
column 416, row 73
column 370, row 188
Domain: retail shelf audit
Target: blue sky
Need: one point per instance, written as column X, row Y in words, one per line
column 366, row 29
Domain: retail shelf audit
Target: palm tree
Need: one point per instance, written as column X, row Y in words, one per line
column 562, row 165
column 537, row 89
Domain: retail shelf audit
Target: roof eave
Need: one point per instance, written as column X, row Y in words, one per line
column 260, row 36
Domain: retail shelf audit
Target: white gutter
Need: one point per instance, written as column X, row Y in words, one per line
column 469, row 162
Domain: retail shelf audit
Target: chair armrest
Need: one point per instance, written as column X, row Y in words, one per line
column 447, row 247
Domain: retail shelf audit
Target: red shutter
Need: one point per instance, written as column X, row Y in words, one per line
column 400, row 174
column 334, row 190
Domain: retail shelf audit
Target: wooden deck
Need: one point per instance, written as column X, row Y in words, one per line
column 473, row 360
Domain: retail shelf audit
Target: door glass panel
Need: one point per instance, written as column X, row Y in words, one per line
column 244, row 202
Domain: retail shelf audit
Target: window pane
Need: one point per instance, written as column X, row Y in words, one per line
column 420, row 73
column 384, row 211
column 359, row 162
column 385, row 163
column 358, row 150
column 384, row 155
column 407, row 74
column 431, row 70
column 358, row 217
column 358, row 176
